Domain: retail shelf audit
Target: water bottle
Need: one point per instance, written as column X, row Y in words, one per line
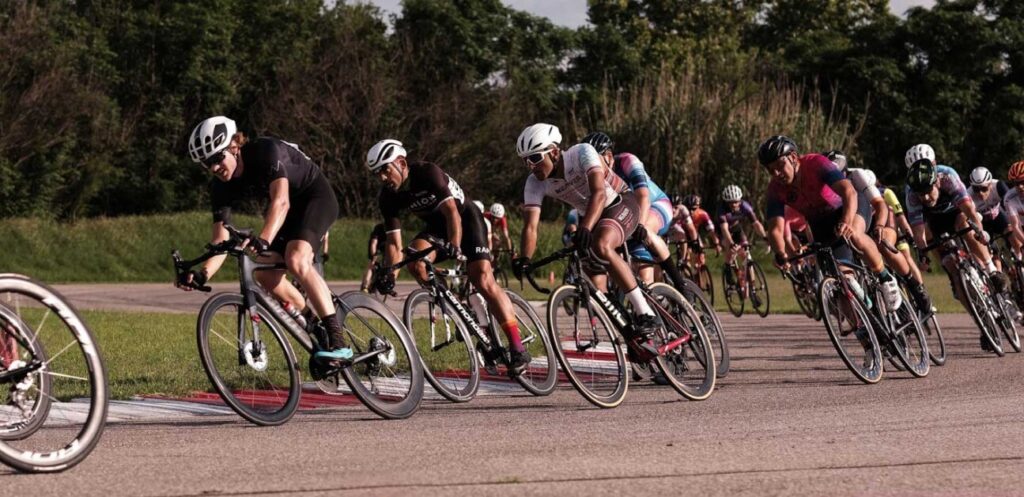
column 479, row 306
column 859, row 292
column 295, row 314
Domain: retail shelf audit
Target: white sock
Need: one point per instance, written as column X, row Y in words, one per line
column 990, row 267
column 640, row 307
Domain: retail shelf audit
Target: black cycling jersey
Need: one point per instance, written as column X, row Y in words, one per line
column 425, row 189
column 313, row 206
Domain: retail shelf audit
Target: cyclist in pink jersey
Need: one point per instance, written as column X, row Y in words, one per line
column 813, row 186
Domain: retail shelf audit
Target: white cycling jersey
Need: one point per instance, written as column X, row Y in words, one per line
column 864, row 182
column 990, row 207
column 1013, row 202
column 574, row 189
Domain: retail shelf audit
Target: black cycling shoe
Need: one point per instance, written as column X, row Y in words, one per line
column 518, row 362
column 999, row 281
column 920, row 296
column 490, row 362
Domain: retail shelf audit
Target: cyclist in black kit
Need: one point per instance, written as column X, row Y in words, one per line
column 425, row 190
column 301, row 209
column 374, row 248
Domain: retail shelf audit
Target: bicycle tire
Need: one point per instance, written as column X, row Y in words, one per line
column 830, row 297
column 707, row 284
column 679, row 318
column 908, row 339
column 15, row 333
column 260, row 402
column 72, row 335
column 451, row 366
column 733, row 300
column 980, row 311
column 390, row 384
column 1007, row 320
column 936, row 342
column 597, row 365
column 758, row 284
column 713, row 325
column 541, row 377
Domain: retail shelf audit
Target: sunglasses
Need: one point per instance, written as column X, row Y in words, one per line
column 535, row 158
column 981, row 189
column 214, row 159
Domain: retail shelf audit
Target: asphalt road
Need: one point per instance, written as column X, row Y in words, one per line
column 788, row 420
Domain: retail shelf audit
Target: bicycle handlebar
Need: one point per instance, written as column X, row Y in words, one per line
column 945, row 237
column 557, row 255
column 230, row 246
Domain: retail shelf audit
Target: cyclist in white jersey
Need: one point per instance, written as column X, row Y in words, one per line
column 608, row 218
column 1013, row 202
column 987, row 194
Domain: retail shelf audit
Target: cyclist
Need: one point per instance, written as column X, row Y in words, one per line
column 988, row 193
column 433, row 196
column 497, row 217
column 813, row 186
column 609, row 212
column 1013, row 201
column 700, row 219
column 654, row 210
column 882, row 226
column 732, row 210
column 937, row 198
column 301, row 209
column 374, row 248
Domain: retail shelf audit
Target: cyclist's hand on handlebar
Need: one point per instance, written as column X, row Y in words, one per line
column 581, row 239
column 781, row 262
column 192, row 280
column 844, row 230
column 385, row 283
column 520, row 266
column 256, row 246
column 449, row 250
column 640, row 234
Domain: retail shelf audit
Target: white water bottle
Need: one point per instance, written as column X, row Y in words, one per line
column 295, row 314
column 859, row 291
column 479, row 306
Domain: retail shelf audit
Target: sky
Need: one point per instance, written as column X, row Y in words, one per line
column 573, row 13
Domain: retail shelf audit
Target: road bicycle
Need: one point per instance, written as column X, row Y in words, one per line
column 593, row 333
column 454, row 338
column 805, row 278
column 53, row 384
column 987, row 308
column 752, row 285
column 1007, row 301
column 860, row 325
column 501, row 258
column 244, row 346
column 700, row 274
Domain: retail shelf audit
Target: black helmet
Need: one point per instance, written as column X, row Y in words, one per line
column 677, row 199
column 598, row 140
column 691, row 201
column 837, row 157
column 773, row 148
column 921, row 176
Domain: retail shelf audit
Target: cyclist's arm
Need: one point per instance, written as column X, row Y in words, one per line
column 643, row 200
column 277, row 210
column 967, row 207
column 326, row 243
column 528, row 241
column 776, row 238
column 508, row 237
column 726, row 235
column 919, row 236
column 453, row 221
column 844, row 188
column 392, row 248
column 371, row 248
column 595, row 181
column 880, row 217
column 213, row 264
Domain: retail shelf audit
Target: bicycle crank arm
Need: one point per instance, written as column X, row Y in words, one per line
column 674, row 343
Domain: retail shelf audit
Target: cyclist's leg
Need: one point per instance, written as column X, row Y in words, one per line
column 368, row 275
column 617, row 223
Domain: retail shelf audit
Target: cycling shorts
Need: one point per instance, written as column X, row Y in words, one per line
column 309, row 217
column 474, row 244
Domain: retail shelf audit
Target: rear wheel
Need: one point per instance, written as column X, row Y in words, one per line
column 758, row 285
column 588, row 347
column 936, row 342
column 706, row 283
column 850, row 330
column 444, row 344
column 688, row 366
column 908, row 339
column 1008, row 320
column 541, row 376
column 248, row 360
column 980, row 308
column 712, row 325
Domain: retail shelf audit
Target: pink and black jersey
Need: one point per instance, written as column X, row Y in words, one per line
column 811, row 192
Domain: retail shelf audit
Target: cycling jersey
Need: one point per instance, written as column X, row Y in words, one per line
column 811, row 192
column 312, row 204
column 497, row 223
column 1013, row 202
column 701, row 218
column 725, row 215
column 794, row 220
column 631, row 170
column 864, row 182
column 991, row 207
column 574, row 188
column 952, row 194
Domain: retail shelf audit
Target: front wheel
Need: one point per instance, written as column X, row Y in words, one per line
column 706, row 283
column 980, row 308
column 850, row 330
column 936, row 342
column 1008, row 320
column 386, row 373
column 758, row 289
column 248, row 360
column 688, row 366
column 445, row 346
column 541, row 376
column 588, row 347
column 731, row 287
column 908, row 339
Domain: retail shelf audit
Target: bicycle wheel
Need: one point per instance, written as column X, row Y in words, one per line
column 908, row 339
column 707, row 283
column 541, row 376
column 712, row 325
column 758, row 285
column 733, row 299
column 386, row 373
column 1008, row 320
column 254, row 373
column 807, row 301
column 936, row 342
column 588, row 347
column 445, row 346
column 53, row 384
column 850, row 330
column 689, row 366
column 980, row 308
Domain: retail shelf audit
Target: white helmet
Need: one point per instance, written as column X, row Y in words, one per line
column 497, row 210
column 383, row 153
column 210, row 137
column 980, row 176
column 479, row 205
column 537, row 138
column 732, row 193
column 918, row 152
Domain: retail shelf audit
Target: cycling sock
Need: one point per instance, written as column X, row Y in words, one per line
column 884, row 275
column 990, row 267
column 335, row 335
column 672, row 271
column 511, row 329
column 640, row 307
